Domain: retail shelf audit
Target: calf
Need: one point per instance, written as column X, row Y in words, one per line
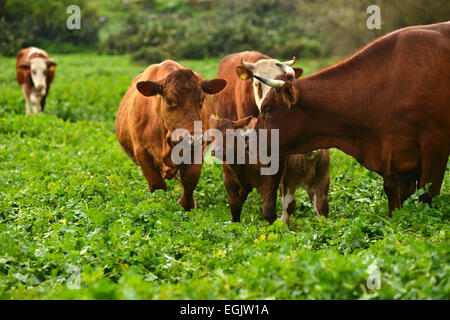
column 309, row 171
column 240, row 179
column 163, row 98
column 35, row 72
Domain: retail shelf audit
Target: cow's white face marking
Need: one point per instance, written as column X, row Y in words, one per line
column 266, row 68
column 36, row 50
column 38, row 67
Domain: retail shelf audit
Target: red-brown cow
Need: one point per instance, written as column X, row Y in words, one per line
column 388, row 106
column 35, row 72
column 165, row 97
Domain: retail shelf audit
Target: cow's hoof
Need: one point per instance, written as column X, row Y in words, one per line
column 187, row 204
column 158, row 186
column 286, row 220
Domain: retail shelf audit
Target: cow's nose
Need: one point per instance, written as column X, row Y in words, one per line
column 39, row 87
column 194, row 140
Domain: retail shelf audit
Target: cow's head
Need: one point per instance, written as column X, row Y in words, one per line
column 236, row 129
column 277, row 109
column 267, row 68
column 39, row 69
column 183, row 95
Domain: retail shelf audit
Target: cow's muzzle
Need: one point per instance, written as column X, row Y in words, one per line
column 192, row 141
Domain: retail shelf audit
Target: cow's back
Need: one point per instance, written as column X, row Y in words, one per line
column 237, row 99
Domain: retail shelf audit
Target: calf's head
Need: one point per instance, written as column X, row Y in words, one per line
column 183, row 95
column 39, row 69
column 226, row 131
column 268, row 68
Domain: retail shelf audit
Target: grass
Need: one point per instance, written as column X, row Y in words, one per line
column 77, row 220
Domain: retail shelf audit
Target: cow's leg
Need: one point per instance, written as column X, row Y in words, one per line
column 407, row 188
column 392, row 190
column 288, row 201
column 319, row 198
column 433, row 165
column 189, row 175
column 43, row 103
column 153, row 176
column 35, row 103
column 236, row 195
column 27, row 101
column 268, row 190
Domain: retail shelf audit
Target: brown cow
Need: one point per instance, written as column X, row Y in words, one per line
column 163, row 98
column 35, row 72
column 388, row 106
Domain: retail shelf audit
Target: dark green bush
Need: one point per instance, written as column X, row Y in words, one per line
column 150, row 55
column 42, row 23
column 226, row 27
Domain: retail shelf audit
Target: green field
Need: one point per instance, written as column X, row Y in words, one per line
column 78, row 222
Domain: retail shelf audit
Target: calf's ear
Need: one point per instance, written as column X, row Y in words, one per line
column 149, row 88
column 242, row 123
column 244, row 73
column 212, row 121
column 298, row 72
column 213, row 86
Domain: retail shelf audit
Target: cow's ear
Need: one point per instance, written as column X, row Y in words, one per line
column 288, row 93
column 298, row 72
column 149, row 88
column 244, row 73
column 242, row 123
column 213, row 86
column 51, row 65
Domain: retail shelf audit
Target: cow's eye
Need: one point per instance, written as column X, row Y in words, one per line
column 267, row 112
column 170, row 102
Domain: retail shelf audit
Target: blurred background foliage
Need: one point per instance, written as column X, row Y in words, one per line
column 152, row 30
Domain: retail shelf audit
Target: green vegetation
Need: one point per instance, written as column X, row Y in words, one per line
column 152, row 30
column 70, row 200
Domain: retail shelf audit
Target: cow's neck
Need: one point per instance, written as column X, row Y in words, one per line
column 335, row 110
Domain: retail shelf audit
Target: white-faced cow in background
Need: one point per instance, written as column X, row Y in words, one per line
column 35, row 72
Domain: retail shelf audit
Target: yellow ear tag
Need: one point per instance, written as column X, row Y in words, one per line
column 52, row 68
column 243, row 76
